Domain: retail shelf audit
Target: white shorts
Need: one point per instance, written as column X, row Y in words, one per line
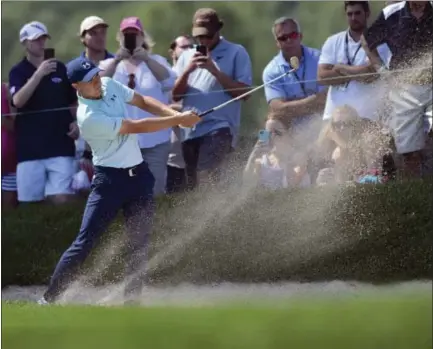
column 9, row 182
column 408, row 117
column 40, row 178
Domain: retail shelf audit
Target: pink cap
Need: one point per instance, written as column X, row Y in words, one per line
column 131, row 22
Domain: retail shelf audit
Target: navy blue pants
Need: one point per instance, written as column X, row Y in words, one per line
column 113, row 189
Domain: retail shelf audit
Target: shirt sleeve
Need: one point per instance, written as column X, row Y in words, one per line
column 105, row 63
column 123, row 92
column 102, row 127
column 16, row 81
column 179, row 67
column 274, row 90
column 376, row 34
column 243, row 67
column 327, row 54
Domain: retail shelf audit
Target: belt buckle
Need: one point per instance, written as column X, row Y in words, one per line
column 131, row 172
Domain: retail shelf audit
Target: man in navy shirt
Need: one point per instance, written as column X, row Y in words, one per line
column 407, row 28
column 45, row 127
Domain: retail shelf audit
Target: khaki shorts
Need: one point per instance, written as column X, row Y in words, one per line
column 410, row 105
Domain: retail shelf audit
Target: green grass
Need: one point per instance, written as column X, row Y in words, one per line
column 394, row 322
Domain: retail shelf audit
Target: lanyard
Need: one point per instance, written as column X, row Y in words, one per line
column 304, row 69
column 346, row 47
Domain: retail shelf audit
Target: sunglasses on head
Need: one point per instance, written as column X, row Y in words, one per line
column 291, row 36
column 131, row 81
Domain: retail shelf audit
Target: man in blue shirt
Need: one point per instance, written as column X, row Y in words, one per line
column 296, row 100
column 297, row 97
column 205, row 81
column 122, row 179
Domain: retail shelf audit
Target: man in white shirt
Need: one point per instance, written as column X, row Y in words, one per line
column 342, row 59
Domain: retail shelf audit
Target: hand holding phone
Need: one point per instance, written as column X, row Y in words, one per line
column 264, row 136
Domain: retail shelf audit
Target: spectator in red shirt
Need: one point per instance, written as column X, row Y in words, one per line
column 9, row 160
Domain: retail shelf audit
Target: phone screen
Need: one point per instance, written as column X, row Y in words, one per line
column 264, row 136
column 202, row 49
column 49, row 53
column 130, row 41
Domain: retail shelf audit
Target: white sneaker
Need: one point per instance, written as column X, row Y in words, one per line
column 43, row 301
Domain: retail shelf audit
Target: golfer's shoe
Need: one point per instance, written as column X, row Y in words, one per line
column 43, row 301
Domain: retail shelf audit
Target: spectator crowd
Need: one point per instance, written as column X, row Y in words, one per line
column 334, row 119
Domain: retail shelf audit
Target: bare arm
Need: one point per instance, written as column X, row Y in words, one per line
column 153, row 124
column 180, row 86
column 373, row 55
column 110, row 67
column 152, row 106
column 300, row 107
column 328, row 75
column 160, row 72
column 25, row 93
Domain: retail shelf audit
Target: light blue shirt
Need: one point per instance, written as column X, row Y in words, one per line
column 290, row 86
column 100, row 121
column 205, row 92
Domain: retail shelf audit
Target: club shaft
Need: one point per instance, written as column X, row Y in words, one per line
column 245, row 94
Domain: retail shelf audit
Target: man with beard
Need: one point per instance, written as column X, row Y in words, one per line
column 180, row 44
column 407, row 28
column 342, row 63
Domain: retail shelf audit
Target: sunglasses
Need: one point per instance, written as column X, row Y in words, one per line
column 131, row 81
column 291, row 36
column 184, row 47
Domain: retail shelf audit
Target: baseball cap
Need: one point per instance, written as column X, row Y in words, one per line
column 206, row 22
column 91, row 22
column 82, row 70
column 33, row 31
column 131, row 22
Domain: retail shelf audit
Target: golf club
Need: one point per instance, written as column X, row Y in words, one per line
column 294, row 62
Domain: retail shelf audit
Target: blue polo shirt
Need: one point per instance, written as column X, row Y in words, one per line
column 100, row 121
column 41, row 133
column 292, row 86
column 205, row 92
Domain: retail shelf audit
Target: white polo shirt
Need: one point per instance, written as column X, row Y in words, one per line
column 147, row 85
column 100, row 120
column 365, row 98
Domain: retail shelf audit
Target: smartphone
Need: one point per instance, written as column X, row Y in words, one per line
column 202, row 49
column 130, row 41
column 49, row 53
column 264, row 136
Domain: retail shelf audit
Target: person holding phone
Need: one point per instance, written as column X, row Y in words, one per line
column 45, row 127
column 210, row 74
column 150, row 75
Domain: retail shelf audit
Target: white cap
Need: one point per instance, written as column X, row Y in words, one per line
column 33, row 31
column 91, row 22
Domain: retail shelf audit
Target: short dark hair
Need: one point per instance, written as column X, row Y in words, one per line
column 365, row 4
column 174, row 44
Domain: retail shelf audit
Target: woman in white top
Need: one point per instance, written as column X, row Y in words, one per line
column 151, row 75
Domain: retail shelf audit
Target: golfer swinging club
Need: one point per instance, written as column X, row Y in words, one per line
column 122, row 179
